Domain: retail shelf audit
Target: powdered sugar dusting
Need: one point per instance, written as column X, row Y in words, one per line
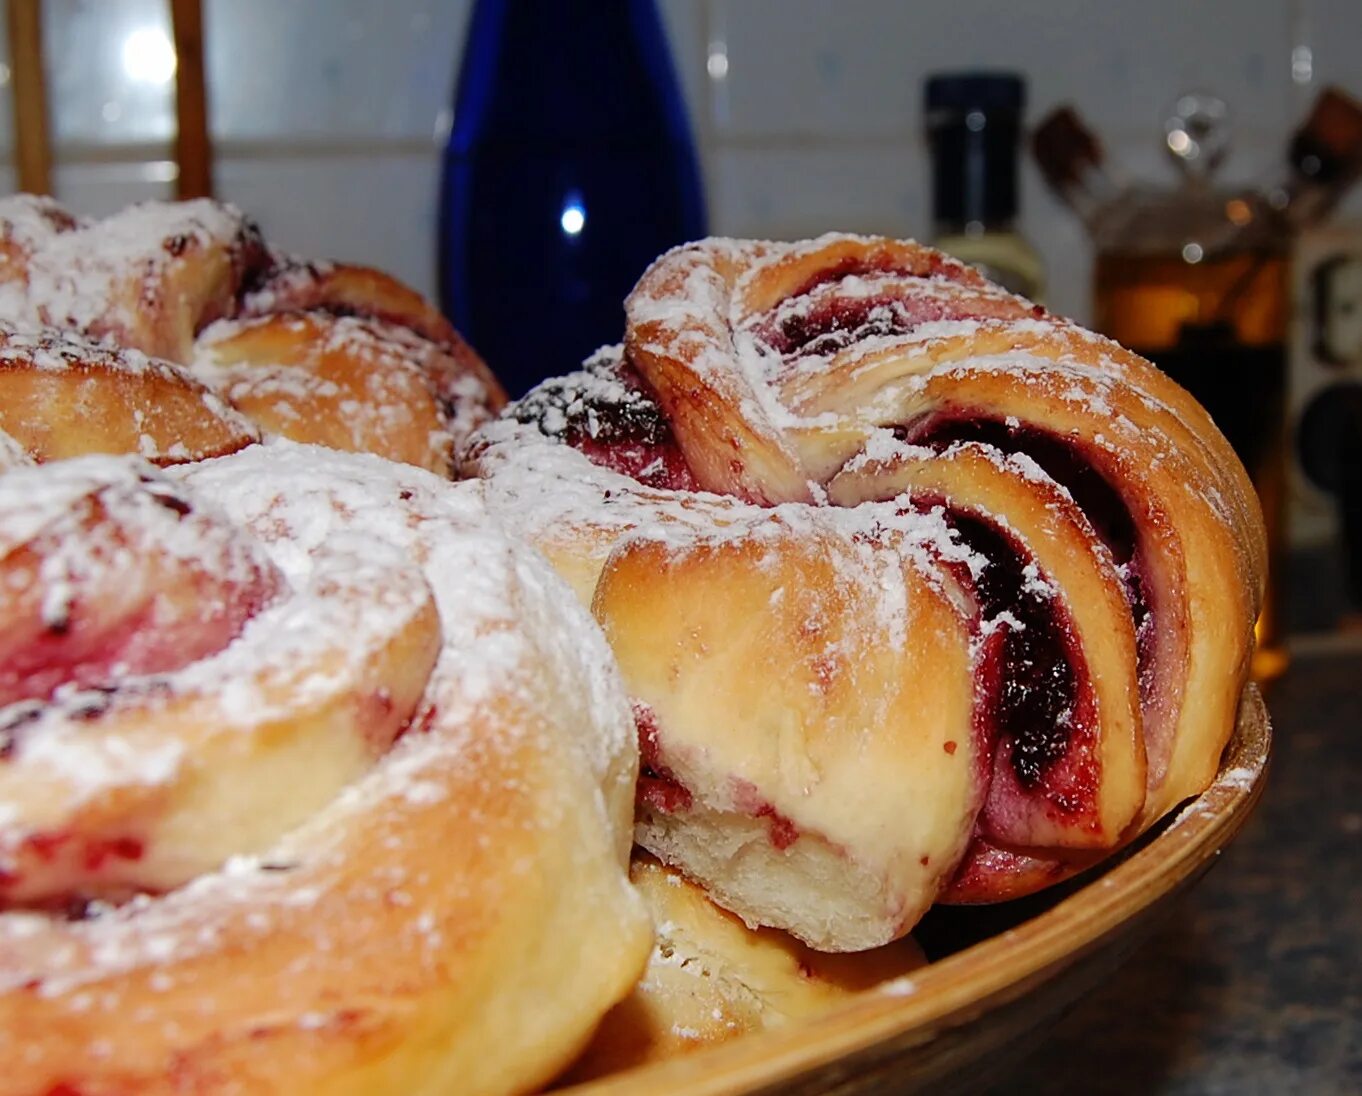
column 152, row 276
column 12, row 454
column 288, row 658
column 358, row 384
column 29, row 221
column 552, row 495
column 469, row 566
column 90, row 277
column 508, row 629
column 291, row 279
column 57, row 351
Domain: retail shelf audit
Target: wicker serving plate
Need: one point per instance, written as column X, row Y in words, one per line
column 999, row 973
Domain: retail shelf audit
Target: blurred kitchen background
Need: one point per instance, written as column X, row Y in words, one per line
column 329, row 118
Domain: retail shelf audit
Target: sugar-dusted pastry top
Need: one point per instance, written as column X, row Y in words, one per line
column 726, row 490
column 325, row 353
column 306, row 772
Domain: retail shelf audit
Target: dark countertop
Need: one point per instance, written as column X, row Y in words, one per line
column 1254, row 983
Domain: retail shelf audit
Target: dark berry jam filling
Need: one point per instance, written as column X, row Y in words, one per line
column 1061, row 460
column 660, row 466
column 658, row 786
column 828, row 326
column 92, row 853
column 1064, row 462
column 1031, row 673
column 607, row 412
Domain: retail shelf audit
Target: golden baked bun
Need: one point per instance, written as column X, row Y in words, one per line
column 322, row 353
column 344, row 383
column 310, row 781
column 64, row 396
column 148, row 278
column 922, row 594
column 711, row 979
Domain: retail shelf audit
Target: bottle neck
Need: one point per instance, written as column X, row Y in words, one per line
column 974, row 169
column 566, row 73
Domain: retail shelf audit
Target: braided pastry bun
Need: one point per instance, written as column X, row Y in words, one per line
column 309, row 781
column 922, row 594
column 239, row 341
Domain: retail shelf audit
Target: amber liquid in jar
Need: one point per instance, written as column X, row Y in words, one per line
column 1218, row 328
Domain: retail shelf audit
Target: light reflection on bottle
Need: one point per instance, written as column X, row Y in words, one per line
column 573, row 218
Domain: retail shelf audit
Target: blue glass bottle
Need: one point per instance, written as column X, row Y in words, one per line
column 569, row 168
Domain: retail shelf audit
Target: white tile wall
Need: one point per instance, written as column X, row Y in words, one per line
column 278, row 69
column 802, row 189
column 813, row 68
column 807, row 112
column 98, row 189
column 371, row 209
column 1332, row 29
column 109, row 71
column 351, row 70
